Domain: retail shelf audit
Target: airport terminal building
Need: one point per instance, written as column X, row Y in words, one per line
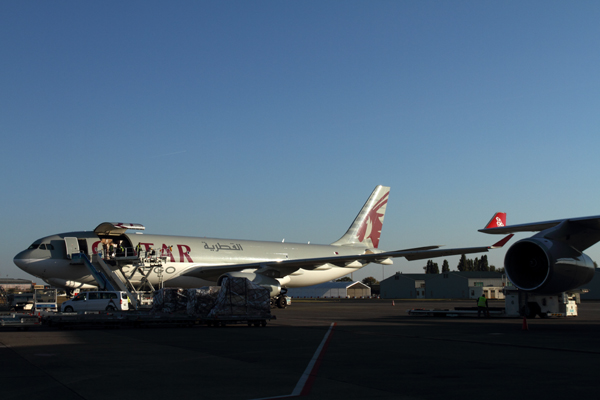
column 18, row 285
column 447, row 285
column 331, row 290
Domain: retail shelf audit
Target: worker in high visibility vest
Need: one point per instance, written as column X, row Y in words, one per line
column 482, row 306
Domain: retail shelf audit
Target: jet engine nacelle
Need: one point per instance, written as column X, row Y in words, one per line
column 547, row 266
column 64, row 284
column 271, row 284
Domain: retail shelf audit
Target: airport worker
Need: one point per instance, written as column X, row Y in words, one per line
column 121, row 249
column 105, row 246
column 482, row 306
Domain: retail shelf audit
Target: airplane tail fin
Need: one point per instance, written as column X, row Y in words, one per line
column 497, row 221
column 366, row 228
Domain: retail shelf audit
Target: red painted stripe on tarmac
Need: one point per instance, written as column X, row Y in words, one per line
column 312, row 373
column 307, row 379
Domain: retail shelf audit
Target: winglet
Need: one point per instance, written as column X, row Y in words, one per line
column 497, row 221
column 502, row 242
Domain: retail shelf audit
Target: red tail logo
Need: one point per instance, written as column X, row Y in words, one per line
column 374, row 221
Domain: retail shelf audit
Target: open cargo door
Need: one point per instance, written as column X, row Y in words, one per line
column 72, row 246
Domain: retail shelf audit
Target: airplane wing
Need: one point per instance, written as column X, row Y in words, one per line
column 580, row 233
column 286, row 267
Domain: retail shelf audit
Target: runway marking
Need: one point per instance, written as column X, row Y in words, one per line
column 307, row 379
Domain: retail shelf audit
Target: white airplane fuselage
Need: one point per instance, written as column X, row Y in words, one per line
column 180, row 253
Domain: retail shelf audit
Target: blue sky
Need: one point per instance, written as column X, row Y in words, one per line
column 269, row 119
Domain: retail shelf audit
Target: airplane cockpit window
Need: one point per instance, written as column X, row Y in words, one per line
column 34, row 246
column 42, row 246
column 49, row 247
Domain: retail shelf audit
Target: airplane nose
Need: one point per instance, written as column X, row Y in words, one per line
column 20, row 259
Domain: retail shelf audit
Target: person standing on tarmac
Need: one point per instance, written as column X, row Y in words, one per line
column 482, row 306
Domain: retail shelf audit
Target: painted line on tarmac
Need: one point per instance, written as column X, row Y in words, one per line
column 307, row 379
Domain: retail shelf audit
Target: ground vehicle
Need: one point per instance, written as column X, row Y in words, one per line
column 521, row 303
column 97, row 301
column 21, row 301
column 44, row 299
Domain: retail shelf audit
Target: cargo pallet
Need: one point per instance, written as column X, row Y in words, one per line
column 19, row 321
column 146, row 320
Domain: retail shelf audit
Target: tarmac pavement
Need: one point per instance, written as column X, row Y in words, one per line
column 374, row 351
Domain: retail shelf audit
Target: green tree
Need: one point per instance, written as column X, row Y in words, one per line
column 344, row 279
column 470, row 265
column 370, row 281
column 431, row 268
column 462, row 264
column 445, row 266
column 483, row 264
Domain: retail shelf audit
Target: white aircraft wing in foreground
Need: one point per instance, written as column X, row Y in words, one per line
column 289, row 267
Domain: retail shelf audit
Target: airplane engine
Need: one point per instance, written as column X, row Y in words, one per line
column 64, row 284
column 547, row 266
column 270, row 284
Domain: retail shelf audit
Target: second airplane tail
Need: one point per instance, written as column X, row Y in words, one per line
column 365, row 231
column 497, row 221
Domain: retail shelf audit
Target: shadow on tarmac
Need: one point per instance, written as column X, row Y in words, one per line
column 376, row 351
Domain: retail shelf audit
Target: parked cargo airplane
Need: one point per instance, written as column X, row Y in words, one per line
column 551, row 261
column 195, row 262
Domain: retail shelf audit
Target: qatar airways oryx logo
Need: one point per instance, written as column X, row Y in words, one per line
column 373, row 222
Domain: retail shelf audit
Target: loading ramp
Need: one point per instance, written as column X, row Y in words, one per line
column 106, row 278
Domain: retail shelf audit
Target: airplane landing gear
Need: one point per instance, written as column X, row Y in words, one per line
column 279, row 302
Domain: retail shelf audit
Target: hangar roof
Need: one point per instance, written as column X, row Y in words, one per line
column 340, row 285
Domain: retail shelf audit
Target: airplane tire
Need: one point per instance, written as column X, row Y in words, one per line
column 281, row 302
column 530, row 310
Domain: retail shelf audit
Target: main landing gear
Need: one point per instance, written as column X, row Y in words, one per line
column 279, row 301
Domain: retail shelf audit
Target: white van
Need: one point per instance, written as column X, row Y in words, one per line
column 97, row 301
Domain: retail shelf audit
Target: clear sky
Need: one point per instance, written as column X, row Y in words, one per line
column 275, row 119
